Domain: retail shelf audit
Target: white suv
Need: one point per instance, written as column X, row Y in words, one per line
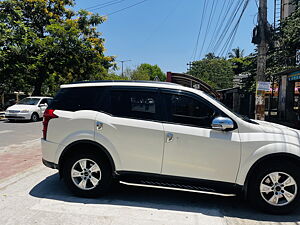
column 169, row 136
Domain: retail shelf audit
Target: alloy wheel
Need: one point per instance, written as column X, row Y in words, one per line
column 86, row 174
column 278, row 188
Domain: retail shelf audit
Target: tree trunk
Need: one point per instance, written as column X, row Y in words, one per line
column 38, row 87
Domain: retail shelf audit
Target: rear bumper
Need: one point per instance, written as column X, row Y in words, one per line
column 49, row 150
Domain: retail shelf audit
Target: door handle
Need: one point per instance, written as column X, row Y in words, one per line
column 99, row 125
column 169, row 137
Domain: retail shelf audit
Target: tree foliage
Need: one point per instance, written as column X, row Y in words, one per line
column 148, row 72
column 284, row 43
column 217, row 72
column 43, row 44
column 236, row 53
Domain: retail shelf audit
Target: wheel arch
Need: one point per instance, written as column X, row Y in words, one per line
column 268, row 158
column 95, row 147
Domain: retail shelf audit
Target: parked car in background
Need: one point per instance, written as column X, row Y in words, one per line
column 168, row 136
column 30, row 108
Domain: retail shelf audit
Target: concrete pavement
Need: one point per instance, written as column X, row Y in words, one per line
column 30, row 194
column 38, row 196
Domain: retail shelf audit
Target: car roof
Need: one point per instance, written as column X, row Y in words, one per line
column 123, row 83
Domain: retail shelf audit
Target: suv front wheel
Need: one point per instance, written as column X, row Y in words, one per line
column 87, row 174
column 274, row 188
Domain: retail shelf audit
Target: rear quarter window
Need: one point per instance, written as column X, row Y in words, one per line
column 80, row 98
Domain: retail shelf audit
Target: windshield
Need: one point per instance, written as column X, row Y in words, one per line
column 29, row 101
column 243, row 117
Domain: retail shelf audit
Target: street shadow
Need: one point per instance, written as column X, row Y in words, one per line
column 122, row 195
column 21, row 121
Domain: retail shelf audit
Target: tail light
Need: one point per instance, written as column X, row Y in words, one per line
column 48, row 115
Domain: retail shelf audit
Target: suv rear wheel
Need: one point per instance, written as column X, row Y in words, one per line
column 275, row 187
column 87, row 174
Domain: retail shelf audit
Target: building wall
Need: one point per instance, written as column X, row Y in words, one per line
column 286, row 8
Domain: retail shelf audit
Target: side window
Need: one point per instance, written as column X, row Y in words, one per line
column 80, row 98
column 44, row 101
column 186, row 110
column 134, row 104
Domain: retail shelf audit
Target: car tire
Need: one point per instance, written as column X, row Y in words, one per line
column 34, row 117
column 275, row 187
column 87, row 174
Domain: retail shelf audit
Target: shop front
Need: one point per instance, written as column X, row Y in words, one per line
column 288, row 100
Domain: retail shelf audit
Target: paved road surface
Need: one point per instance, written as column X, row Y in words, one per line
column 33, row 194
column 20, row 147
column 19, row 132
column 38, row 196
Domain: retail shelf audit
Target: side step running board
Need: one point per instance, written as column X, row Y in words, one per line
column 151, row 184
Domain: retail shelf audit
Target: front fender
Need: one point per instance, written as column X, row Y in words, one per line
column 248, row 160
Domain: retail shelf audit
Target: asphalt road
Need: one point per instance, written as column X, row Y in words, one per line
column 19, row 132
column 20, row 147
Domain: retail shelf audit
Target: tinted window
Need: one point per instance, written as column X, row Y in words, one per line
column 81, row 98
column 187, row 110
column 29, row 101
column 44, row 101
column 134, row 104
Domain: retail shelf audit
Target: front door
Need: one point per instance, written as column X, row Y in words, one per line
column 192, row 148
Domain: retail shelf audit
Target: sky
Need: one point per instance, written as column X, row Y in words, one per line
column 164, row 32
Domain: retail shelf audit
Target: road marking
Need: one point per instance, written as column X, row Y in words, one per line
column 5, row 131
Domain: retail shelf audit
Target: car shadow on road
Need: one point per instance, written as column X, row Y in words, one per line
column 53, row 187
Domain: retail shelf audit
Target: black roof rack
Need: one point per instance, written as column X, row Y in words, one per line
column 124, row 81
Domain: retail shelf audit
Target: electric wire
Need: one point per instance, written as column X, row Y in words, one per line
column 213, row 8
column 103, row 5
column 172, row 10
column 199, row 31
column 223, row 33
column 218, row 21
column 219, row 29
column 227, row 46
column 128, row 7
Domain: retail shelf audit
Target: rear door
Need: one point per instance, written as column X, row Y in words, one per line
column 134, row 129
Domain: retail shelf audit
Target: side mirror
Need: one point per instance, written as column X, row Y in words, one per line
column 43, row 104
column 222, row 123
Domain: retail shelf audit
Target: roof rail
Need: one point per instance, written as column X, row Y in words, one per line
column 124, row 81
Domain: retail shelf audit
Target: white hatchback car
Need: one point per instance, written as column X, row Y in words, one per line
column 30, row 108
column 165, row 135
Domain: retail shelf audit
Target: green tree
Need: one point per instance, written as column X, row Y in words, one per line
column 216, row 72
column 148, row 72
column 236, row 53
column 211, row 55
column 44, row 44
column 284, row 43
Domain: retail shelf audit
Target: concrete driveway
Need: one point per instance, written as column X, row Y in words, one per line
column 38, row 196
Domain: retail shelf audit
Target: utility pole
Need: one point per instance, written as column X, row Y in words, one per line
column 261, row 61
column 122, row 61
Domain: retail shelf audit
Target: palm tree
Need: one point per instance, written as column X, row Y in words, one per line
column 236, row 53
